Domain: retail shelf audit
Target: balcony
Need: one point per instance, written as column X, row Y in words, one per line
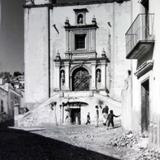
column 140, row 36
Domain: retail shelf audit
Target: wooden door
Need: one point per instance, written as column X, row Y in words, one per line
column 145, row 106
column 80, row 80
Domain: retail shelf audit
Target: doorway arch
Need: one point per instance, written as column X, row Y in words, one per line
column 80, row 79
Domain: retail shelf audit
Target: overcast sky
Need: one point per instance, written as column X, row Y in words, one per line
column 11, row 36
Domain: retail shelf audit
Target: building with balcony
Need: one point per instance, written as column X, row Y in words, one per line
column 74, row 59
column 143, row 87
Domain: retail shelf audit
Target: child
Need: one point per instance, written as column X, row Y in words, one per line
column 88, row 119
column 97, row 116
column 105, row 115
column 110, row 118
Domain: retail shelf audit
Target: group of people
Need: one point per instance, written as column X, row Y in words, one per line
column 108, row 117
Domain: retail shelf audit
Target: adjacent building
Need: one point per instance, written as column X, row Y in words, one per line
column 10, row 103
column 3, row 105
column 18, row 82
column 141, row 96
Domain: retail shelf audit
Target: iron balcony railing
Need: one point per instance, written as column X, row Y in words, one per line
column 140, row 30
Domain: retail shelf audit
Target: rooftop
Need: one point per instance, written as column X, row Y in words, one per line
column 81, row 2
column 52, row 3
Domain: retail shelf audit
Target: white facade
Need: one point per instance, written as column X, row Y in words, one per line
column 144, row 86
column 58, row 49
column 10, row 101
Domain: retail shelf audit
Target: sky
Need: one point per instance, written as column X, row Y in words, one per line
column 11, row 36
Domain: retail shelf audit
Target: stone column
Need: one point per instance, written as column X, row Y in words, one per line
column 94, row 40
column 67, row 76
column 63, row 117
column 107, row 78
column 103, row 75
column 57, row 77
column 67, row 41
column 93, row 76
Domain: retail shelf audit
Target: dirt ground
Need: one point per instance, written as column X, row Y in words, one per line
column 97, row 139
column 23, row 145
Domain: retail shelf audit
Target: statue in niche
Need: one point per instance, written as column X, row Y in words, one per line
column 98, row 75
column 62, row 75
column 80, row 19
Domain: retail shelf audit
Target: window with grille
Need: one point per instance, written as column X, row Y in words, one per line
column 80, row 41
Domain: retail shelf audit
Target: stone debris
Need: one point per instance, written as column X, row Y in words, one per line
column 149, row 154
column 136, row 142
column 118, row 142
column 125, row 140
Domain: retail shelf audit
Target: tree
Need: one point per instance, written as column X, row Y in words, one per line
column 17, row 73
column 6, row 76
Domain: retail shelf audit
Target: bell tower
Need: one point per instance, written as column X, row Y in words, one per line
column 37, row 50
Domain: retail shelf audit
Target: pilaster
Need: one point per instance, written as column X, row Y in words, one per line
column 57, row 78
column 103, row 75
column 67, row 41
column 107, row 78
column 67, row 66
column 93, row 77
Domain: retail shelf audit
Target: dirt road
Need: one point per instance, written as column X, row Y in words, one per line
column 22, row 145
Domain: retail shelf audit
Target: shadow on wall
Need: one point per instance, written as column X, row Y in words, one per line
column 16, row 144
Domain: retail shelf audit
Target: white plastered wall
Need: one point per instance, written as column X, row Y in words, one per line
column 36, row 54
column 110, row 12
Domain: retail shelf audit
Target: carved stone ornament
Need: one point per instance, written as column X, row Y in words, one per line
column 29, row 2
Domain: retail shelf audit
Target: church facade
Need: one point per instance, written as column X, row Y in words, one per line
column 80, row 69
column 74, row 58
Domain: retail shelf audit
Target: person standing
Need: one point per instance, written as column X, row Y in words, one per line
column 105, row 115
column 97, row 116
column 111, row 118
column 88, row 119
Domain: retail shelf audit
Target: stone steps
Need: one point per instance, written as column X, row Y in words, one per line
column 44, row 114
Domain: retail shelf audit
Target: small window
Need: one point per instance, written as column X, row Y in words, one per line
column 80, row 41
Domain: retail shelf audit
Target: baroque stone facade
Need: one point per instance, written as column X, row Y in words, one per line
column 74, row 57
column 81, row 69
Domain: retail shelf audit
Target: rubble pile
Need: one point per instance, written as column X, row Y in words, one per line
column 148, row 154
column 125, row 140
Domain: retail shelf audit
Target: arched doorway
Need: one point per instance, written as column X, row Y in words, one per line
column 80, row 79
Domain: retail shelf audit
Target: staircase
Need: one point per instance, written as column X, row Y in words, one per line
column 44, row 114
